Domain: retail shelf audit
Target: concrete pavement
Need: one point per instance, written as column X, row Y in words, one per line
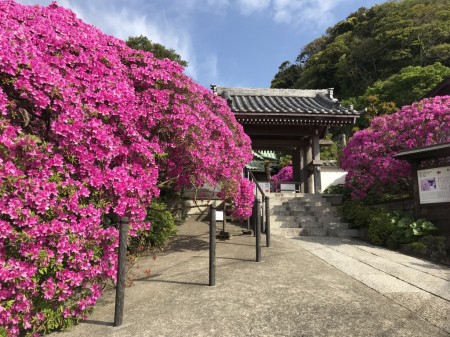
column 417, row 284
column 307, row 286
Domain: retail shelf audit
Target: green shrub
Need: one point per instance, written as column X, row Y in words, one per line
column 433, row 247
column 357, row 213
column 334, row 189
column 381, row 226
column 417, row 248
column 409, row 230
column 436, row 246
column 162, row 229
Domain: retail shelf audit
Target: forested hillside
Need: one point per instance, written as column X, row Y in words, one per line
column 380, row 58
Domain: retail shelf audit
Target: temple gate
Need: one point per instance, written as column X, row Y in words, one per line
column 290, row 120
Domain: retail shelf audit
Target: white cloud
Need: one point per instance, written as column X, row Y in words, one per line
column 207, row 66
column 308, row 13
column 248, row 7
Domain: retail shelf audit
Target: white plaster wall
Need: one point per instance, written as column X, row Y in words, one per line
column 331, row 176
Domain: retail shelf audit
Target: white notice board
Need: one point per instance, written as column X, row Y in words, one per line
column 434, row 185
column 219, row 215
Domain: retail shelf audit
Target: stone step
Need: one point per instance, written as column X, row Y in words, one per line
column 293, row 195
column 306, row 214
column 290, row 212
column 336, row 225
column 316, row 204
column 285, row 224
column 320, row 208
column 325, row 219
column 298, row 199
column 315, row 232
column 288, row 231
column 290, row 218
column 348, row 233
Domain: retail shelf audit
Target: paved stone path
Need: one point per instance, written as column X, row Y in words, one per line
column 416, row 284
column 303, row 287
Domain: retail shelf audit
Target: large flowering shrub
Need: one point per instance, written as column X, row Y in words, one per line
column 368, row 155
column 239, row 192
column 286, row 174
column 91, row 129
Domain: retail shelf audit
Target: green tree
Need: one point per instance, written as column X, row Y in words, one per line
column 378, row 58
column 158, row 50
column 286, row 76
column 407, row 86
column 373, row 44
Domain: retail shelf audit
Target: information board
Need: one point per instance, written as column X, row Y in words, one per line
column 434, row 185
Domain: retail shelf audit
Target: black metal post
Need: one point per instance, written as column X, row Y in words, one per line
column 120, row 286
column 253, row 217
column 263, row 215
column 267, row 221
column 212, row 246
column 258, row 229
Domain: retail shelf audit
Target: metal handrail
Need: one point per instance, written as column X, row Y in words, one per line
column 258, row 186
column 264, row 206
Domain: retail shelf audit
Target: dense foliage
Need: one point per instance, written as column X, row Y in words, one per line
column 91, row 130
column 158, row 50
column 394, row 228
column 162, row 228
column 380, row 58
column 368, row 156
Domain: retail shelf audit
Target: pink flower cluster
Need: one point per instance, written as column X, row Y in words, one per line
column 368, row 155
column 89, row 129
column 286, row 174
column 240, row 193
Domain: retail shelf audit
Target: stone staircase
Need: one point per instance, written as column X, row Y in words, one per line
column 294, row 214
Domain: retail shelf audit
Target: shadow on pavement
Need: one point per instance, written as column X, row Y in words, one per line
column 95, row 322
column 188, row 243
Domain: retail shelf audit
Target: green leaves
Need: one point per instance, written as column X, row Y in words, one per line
column 143, row 43
column 408, row 230
column 388, row 52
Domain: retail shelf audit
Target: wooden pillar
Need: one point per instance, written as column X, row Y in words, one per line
column 316, row 156
column 302, row 168
column 415, row 187
column 296, row 163
column 308, row 160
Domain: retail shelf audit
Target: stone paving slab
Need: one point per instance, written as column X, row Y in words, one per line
column 421, row 286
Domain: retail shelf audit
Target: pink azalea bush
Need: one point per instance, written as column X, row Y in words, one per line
column 368, row 155
column 239, row 192
column 286, row 174
column 91, row 130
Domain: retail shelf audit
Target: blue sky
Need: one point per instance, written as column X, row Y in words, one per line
column 237, row 43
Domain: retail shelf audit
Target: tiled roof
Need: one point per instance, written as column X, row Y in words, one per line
column 284, row 102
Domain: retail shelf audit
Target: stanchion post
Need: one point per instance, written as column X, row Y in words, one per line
column 253, row 218
column 212, row 246
column 258, row 229
column 267, row 221
column 120, row 286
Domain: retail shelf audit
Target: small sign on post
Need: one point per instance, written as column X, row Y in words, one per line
column 223, row 234
column 219, row 215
